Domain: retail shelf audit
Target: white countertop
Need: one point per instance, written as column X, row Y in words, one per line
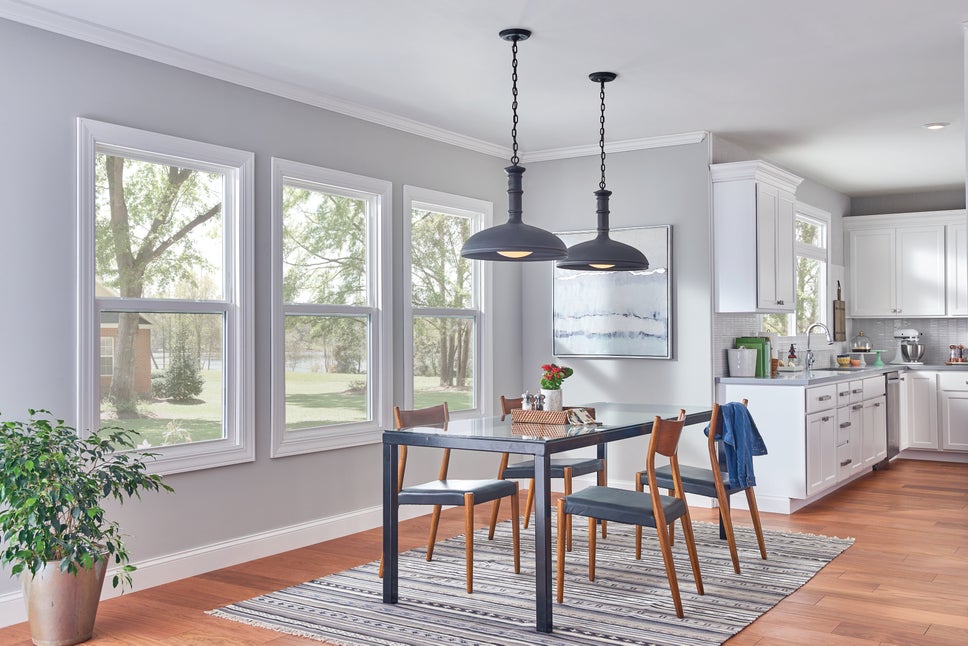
column 831, row 375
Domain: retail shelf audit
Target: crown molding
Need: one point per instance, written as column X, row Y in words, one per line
column 113, row 39
column 98, row 35
column 756, row 170
column 621, row 146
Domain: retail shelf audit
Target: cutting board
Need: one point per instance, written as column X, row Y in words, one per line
column 840, row 317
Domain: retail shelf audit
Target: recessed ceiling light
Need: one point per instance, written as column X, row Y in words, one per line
column 936, row 125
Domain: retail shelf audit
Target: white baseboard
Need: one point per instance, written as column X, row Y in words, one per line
column 188, row 563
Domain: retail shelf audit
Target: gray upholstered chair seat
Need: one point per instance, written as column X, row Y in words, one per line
column 695, row 480
column 621, row 506
column 579, row 467
column 451, row 492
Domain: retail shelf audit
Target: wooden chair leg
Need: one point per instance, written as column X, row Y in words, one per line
column 469, row 541
column 495, row 508
column 381, row 568
column 670, row 567
column 727, row 520
column 434, row 523
column 515, row 530
column 602, row 482
column 592, row 531
column 529, row 503
column 639, row 486
column 561, row 550
column 755, row 515
column 691, row 547
column 568, row 490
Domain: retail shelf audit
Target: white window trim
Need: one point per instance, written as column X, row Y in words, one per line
column 309, row 440
column 481, row 213
column 239, row 444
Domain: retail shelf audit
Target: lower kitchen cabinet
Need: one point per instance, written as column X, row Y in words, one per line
column 922, row 430
column 821, row 437
column 953, row 397
column 875, row 436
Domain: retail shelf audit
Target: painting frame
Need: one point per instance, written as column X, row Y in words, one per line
column 621, row 314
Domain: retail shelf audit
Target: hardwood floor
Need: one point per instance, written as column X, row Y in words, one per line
column 904, row 581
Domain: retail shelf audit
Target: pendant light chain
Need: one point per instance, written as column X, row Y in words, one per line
column 601, row 136
column 514, row 103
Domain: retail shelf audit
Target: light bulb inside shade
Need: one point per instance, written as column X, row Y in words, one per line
column 514, row 254
column 600, row 266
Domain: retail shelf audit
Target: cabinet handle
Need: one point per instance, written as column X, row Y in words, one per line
column 823, row 398
column 857, row 391
column 845, row 462
column 825, row 418
column 843, row 394
column 856, row 407
column 845, row 425
column 878, row 404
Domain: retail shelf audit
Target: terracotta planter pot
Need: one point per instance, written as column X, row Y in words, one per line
column 61, row 606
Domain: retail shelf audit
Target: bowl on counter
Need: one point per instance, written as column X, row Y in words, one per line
column 912, row 352
column 843, row 361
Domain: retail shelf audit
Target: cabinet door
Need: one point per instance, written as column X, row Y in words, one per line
column 850, row 440
column 922, row 413
column 956, row 239
column 954, row 412
column 821, row 451
column 774, row 249
column 875, row 431
column 920, row 271
column 871, row 272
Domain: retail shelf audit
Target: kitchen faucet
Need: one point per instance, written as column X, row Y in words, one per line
column 830, row 341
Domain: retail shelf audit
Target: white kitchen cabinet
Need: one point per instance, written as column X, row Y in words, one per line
column 956, row 237
column 897, row 272
column 874, row 431
column 821, row 435
column 753, row 214
column 921, row 430
column 953, row 397
column 899, row 265
column 849, row 440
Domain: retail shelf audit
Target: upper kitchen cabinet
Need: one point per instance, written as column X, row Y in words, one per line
column 901, row 266
column 753, row 211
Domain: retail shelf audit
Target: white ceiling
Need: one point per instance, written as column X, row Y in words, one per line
column 833, row 90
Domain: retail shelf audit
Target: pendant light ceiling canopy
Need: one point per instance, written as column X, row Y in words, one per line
column 602, row 253
column 514, row 240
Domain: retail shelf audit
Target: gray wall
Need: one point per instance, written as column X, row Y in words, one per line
column 650, row 187
column 944, row 200
column 49, row 80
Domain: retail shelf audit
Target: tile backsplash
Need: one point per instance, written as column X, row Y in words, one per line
column 936, row 334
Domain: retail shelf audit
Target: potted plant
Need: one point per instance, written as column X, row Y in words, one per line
column 55, row 532
column 551, row 377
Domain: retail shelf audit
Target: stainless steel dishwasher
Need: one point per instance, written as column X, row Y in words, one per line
column 893, row 417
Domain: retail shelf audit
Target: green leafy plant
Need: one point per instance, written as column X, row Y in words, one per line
column 52, row 484
column 552, row 375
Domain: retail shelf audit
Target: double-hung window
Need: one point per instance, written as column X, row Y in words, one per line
column 446, row 335
column 810, row 244
column 331, row 368
column 165, row 293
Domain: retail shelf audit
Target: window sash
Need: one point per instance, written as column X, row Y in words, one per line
column 238, row 205
column 377, row 194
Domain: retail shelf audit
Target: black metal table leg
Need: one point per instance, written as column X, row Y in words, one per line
column 542, row 544
column 390, row 520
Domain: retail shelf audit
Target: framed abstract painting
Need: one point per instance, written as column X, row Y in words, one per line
column 620, row 313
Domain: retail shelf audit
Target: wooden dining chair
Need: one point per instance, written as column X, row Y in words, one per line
column 637, row 508
column 713, row 483
column 445, row 491
column 564, row 468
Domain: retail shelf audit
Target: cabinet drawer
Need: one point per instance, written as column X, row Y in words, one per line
column 844, row 460
column 821, row 398
column 875, row 387
column 843, row 393
column 856, row 391
column 844, row 423
column 953, row 380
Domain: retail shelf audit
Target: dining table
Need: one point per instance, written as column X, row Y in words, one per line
column 614, row 421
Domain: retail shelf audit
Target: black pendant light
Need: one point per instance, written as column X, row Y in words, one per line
column 514, row 240
column 603, row 253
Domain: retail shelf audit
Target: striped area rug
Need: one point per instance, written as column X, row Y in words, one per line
column 629, row 603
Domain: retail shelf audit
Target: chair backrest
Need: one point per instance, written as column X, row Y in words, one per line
column 717, row 455
column 431, row 416
column 509, row 403
column 664, row 440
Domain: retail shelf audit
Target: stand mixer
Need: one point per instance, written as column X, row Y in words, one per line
column 909, row 346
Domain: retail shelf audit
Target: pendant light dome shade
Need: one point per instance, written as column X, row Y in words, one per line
column 514, row 240
column 602, row 253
